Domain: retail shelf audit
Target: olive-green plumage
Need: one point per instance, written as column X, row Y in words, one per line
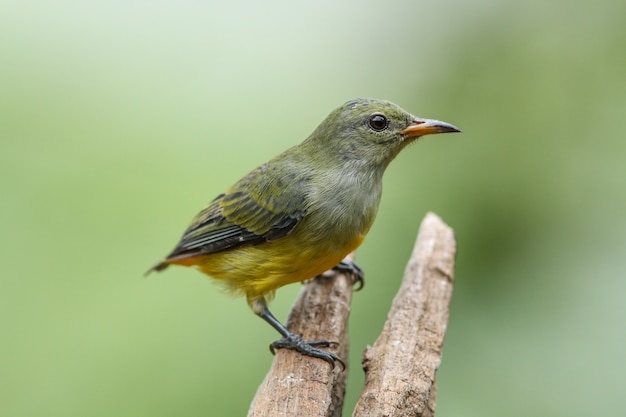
column 302, row 212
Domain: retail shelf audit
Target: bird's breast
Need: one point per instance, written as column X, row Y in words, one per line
column 343, row 208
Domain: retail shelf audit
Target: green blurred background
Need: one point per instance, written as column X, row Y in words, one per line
column 119, row 120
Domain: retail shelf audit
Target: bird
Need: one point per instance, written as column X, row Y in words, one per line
column 302, row 212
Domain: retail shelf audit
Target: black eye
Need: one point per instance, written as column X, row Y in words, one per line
column 378, row 122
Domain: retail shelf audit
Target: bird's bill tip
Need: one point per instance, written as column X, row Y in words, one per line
column 421, row 127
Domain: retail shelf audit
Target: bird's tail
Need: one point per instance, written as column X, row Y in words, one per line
column 158, row 267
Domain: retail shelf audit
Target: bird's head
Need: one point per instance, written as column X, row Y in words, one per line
column 372, row 132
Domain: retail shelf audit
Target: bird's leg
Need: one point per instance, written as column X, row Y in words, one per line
column 347, row 265
column 296, row 342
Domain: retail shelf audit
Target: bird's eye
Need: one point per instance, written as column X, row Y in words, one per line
column 378, row 122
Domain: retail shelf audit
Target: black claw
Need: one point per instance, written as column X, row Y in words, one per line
column 323, row 343
column 357, row 273
column 295, row 342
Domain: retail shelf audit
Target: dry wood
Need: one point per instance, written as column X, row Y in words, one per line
column 400, row 367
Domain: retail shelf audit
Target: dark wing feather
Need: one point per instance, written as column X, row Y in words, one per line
column 234, row 220
column 261, row 207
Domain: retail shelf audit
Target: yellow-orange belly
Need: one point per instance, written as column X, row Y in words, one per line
column 259, row 270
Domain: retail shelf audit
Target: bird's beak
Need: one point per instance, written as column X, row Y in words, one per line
column 421, row 127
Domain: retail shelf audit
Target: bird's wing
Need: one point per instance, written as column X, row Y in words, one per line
column 254, row 211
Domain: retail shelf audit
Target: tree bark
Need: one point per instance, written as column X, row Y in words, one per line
column 400, row 368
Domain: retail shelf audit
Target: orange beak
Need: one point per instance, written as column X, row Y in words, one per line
column 421, row 127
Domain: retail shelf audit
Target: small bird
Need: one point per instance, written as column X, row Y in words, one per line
column 299, row 214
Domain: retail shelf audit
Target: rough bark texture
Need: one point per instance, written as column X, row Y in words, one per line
column 400, row 367
column 298, row 385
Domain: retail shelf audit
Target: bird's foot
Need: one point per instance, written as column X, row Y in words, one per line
column 357, row 273
column 308, row 348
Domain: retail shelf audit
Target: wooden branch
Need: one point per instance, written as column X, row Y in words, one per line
column 400, row 367
column 298, row 385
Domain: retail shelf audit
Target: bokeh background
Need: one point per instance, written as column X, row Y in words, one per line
column 120, row 119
